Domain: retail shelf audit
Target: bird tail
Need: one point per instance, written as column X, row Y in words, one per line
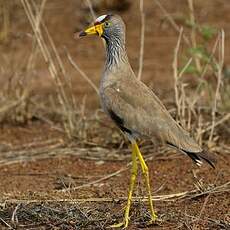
column 200, row 157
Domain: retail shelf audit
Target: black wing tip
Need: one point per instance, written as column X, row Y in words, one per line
column 201, row 157
column 210, row 159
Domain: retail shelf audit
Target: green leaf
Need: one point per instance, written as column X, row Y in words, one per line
column 191, row 69
column 208, row 32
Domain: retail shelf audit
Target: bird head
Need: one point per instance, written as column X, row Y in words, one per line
column 105, row 26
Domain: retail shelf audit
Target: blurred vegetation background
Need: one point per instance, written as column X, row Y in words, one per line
column 178, row 48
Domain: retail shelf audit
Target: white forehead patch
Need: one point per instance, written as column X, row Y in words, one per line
column 101, row 18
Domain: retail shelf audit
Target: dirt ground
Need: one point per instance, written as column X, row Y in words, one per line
column 32, row 195
column 50, row 182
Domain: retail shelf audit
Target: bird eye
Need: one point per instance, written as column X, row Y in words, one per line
column 107, row 24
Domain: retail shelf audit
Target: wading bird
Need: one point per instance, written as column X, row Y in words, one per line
column 134, row 108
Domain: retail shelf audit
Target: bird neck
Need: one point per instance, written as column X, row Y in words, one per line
column 115, row 52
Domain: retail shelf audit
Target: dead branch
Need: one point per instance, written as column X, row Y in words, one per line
column 219, row 80
column 82, row 73
column 171, row 20
column 175, row 71
column 142, row 39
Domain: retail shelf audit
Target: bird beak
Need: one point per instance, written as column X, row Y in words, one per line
column 95, row 29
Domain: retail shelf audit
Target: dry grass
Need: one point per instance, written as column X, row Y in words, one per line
column 189, row 105
column 78, row 213
column 54, row 62
column 190, row 112
column 142, row 39
column 17, row 105
column 5, row 20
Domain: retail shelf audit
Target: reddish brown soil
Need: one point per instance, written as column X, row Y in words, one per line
column 41, row 180
column 30, row 190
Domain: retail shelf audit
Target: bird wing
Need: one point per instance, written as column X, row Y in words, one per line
column 137, row 110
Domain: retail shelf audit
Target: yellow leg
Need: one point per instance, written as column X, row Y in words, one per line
column 145, row 171
column 130, row 193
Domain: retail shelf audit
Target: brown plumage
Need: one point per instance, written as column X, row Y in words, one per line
column 129, row 100
column 142, row 114
column 134, row 107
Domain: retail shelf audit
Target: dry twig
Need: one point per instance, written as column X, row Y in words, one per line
column 175, row 71
column 219, row 80
column 168, row 197
column 89, row 3
column 171, row 20
column 193, row 33
column 142, row 39
column 82, row 73
column 4, row 222
column 55, row 66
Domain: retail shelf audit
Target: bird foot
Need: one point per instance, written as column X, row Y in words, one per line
column 123, row 224
column 153, row 219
